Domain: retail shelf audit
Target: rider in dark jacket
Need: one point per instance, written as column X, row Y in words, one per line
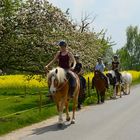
column 79, row 71
column 116, row 67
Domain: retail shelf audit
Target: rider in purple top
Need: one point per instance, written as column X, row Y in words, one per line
column 64, row 58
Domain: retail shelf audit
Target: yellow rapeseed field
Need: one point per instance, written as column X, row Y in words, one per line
column 135, row 75
column 20, row 81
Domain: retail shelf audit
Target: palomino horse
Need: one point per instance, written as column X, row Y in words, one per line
column 59, row 88
column 99, row 83
column 116, row 85
column 126, row 82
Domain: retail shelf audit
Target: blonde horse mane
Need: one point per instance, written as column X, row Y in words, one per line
column 59, row 73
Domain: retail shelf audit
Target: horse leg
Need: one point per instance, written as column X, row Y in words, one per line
column 119, row 90
column 98, row 97
column 81, row 98
column 61, row 107
column 128, row 88
column 79, row 102
column 67, row 110
column 75, row 99
column 114, row 92
column 125, row 89
column 103, row 96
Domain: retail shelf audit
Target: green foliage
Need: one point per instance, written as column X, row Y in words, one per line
column 30, row 30
column 130, row 53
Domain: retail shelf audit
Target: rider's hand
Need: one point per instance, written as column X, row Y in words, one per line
column 72, row 69
column 46, row 68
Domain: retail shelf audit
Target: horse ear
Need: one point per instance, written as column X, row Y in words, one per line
column 56, row 71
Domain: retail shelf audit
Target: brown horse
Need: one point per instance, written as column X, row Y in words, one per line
column 59, row 88
column 99, row 83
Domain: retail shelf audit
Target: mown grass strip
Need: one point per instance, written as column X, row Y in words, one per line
column 19, row 112
column 14, row 122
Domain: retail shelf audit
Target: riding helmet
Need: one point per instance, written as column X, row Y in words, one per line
column 115, row 56
column 62, row 43
column 76, row 56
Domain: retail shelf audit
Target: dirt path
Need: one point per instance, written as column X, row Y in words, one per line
column 19, row 134
column 26, row 131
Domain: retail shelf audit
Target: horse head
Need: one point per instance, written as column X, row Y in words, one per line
column 56, row 77
column 97, row 73
column 111, row 76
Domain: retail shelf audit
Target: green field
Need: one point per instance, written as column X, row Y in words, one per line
column 20, row 103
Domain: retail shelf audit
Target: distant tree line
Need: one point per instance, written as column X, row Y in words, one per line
column 130, row 53
column 31, row 29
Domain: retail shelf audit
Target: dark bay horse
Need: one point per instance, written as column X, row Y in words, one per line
column 59, row 88
column 82, row 94
column 100, row 84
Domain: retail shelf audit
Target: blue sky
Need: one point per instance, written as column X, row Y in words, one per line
column 113, row 15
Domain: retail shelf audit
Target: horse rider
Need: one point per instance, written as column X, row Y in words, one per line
column 79, row 71
column 100, row 67
column 64, row 58
column 116, row 67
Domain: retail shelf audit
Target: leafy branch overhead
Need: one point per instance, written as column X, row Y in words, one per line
column 30, row 30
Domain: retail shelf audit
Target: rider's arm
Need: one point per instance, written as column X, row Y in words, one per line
column 54, row 59
column 96, row 66
column 103, row 67
column 72, row 59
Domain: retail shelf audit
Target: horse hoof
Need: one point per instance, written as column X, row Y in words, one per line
column 73, row 122
column 113, row 97
column 68, row 119
column 124, row 93
column 60, row 125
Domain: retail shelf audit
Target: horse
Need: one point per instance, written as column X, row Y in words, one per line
column 59, row 88
column 116, row 85
column 126, row 82
column 99, row 83
column 82, row 94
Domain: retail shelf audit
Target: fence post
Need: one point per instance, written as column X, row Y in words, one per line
column 88, row 87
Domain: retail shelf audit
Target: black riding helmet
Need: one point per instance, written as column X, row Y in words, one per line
column 115, row 56
column 62, row 43
column 76, row 56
